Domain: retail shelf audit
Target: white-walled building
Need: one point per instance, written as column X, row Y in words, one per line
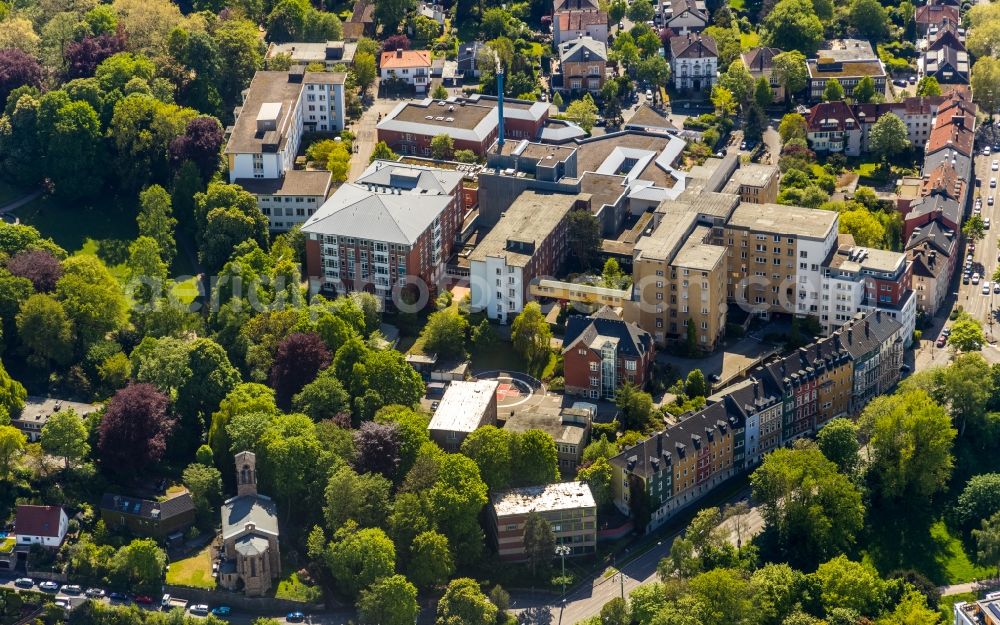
column 413, row 67
column 263, row 143
column 40, row 525
column 694, row 62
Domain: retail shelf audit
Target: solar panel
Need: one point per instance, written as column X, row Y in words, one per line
column 994, row 609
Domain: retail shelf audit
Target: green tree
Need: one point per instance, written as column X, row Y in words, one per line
column 46, row 330
column 980, row 499
column 431, row 562
column 762, row 94
column 987, row 539
column 723, row 101
column 833, row 91
column 928, row 86
column 888, row 136
column 598, row 475
column 536, row 458
column 865, row 90
column 531, row 336
column 363, row 498
column 810, row 509
column 974, row 228
column 636, row 407
column 912, row 608
column 389, row 601
column 838, row 440
column 870, row 19
column 615, row 612
column 721, row 597
column 75, row 147
column 442, row 147
column 966, row 334
column 456, row 497
column 653, row 69
column 910, row 444
column 792, row 72
column 365, row 70
column 852, row 585
column 776, row 589
column 583, row 111
column 695, row 385
column 92, row 298
column 445, row 334
column 463, row 602
column 391, row 13
column 985, row 82
column 141, row 565
column 739, row 82
column 12, row 443
column 439, row 92
column 865, row 227
column 792, row 126
column 793, row 25
column 583, row 233
column 323, row 398
column 64, row 435
column 360, row 558
column 491, row 448
column 612, row 276
column 382, row 152
column 205, row 484
column 156, row 220
column 557, row 100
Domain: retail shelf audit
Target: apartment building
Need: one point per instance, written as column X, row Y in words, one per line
column 847, row 61
column 569, row 429
column 568, row 507
column 776, row 256
column 677, row 467
column 392, row 228
column 528, row 242
column 329, row 53
column 277, row 109
column 832, row 128
column 839, row 127
column 412, row 67
column 583, row 64
column 789, row 398
column 694, row 62
column 472, row 122
column 602, row 351
column 755, row 183
column 465, row 407
column 858, row 279
column 930, row 18
column 934, row 252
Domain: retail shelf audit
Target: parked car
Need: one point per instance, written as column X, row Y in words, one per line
column 975, row 278
column 221, row 610
column 946, row 332
column 993, row 182
column 72, row 589
column 295, row 617
column 95, row 593
column 143, row 599
column 990, row 201
column 24, row 582
column 986, row 221
column 941, row 341
column 118, row 596
column 965, row 278
column 49, row 586
column 996, row 164
column 986, row 287
column 200, row 609
column 62, row 603
column 904, row 368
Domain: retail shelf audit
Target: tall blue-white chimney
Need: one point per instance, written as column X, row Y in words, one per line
column 500, row 106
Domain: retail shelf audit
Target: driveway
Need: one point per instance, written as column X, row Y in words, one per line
column 365, row 135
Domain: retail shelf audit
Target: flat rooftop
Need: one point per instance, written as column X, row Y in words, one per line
column 697, row 255
column 847, row 69
column 855, row 258
column 462, row 407
column 265, row 88
column 552, row 424
column 39, row 409
column 755, row 174
column 538, row 151
column 294, row 182
column 442, row 114
column 593, row 152
column 530, row 219
column 786, row 220
column 548, row 498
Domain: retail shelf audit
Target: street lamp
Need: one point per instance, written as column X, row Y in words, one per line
column 562, row 551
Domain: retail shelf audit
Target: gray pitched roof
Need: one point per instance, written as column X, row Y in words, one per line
column 693, row 47
column 936, row 204
column 147, row 508
column 633, row 341
column 251, row 545
column 238, row 512
column 575, row 51
column 935, row 234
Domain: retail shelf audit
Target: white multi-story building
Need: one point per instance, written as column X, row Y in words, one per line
column 694, row 62
column 263, row 143
column 413, row 67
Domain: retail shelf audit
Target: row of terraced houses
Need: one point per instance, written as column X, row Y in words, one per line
column 781, row 401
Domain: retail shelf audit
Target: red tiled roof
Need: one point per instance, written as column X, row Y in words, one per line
column 952, row 129
column 37, row 521
column 936, row 14
column 693, row 47
column 943, row 180
column 579, row 20
column 405, row 58
column 831, row 116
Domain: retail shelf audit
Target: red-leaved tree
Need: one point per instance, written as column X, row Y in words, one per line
column 300, row 356
column 39, row 266
column 377, row 447
column 134, row 430
column 18, row 68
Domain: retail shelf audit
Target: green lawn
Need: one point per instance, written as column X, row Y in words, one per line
column 79, row 228
column 738, row 5
column 195, row 571
column 291, row 587
column 187, row 290
column 938, row 554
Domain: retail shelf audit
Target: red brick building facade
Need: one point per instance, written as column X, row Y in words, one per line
column 601, row 352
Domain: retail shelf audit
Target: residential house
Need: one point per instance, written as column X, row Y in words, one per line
column 575, row 5
column 583, row 64
column 391, row 229
column 694, row 62
column 935, row 207
column 528, row 242
column 755, row 183
column 250, row 547
column 571, row 25
column 568, row 507
column 685, row 16
column 760, row 62
column 411, row 67
column 465, row 407
column 949, row 65
column 602, row 352
column 40, row 525
column 930, row 18
column 759, row 401
column 149, row 517
column 832, row 127
column 278, row 108
column 468, row 57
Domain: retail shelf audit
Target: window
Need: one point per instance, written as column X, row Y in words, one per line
column 593, row 366
column 630, row 365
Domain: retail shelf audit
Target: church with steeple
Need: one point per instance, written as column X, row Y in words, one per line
column 251, row 559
